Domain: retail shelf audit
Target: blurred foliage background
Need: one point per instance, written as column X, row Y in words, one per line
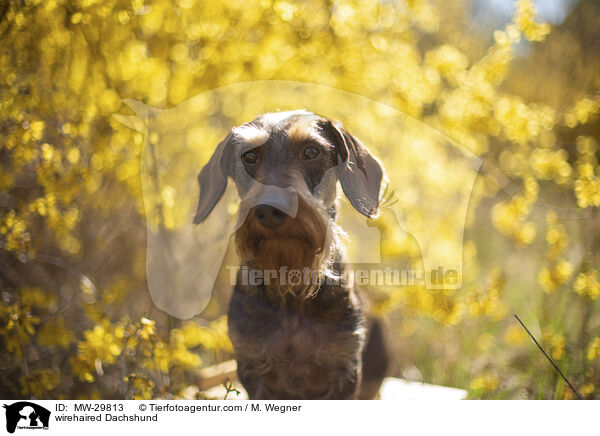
column 76, row 320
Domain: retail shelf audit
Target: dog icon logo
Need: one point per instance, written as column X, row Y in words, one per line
column 26, row 415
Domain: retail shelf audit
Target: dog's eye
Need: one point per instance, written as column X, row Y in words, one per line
column 250, row 157
column 310, row 152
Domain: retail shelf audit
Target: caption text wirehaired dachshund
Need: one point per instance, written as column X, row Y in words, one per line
column 297, row 331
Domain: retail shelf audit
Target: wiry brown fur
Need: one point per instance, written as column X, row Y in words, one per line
column 300, row 242
column 306, row 341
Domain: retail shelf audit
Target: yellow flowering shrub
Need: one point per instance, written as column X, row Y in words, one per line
column 76, row 319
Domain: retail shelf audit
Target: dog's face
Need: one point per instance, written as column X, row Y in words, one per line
column 285, row 150
column 286, row 167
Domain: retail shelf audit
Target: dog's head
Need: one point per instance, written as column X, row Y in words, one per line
column 286, row 166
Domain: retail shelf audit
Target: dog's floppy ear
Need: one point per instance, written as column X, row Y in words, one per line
column 213, row 179
column 360, row 173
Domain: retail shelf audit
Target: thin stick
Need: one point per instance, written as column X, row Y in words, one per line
column 229, row 388
column 548, row 357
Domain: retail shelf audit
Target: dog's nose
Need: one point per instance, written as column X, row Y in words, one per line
column 269, row 216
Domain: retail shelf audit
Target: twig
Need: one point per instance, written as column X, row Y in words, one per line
column 229, row 388
column 548, row 357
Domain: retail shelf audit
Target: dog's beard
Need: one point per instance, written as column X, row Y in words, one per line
column 300, row 244
column 293, row 253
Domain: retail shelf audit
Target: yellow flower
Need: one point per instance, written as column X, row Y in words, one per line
column 588, row 284
column 587, row 189
column 148, row 328
column 525, row 15
column 556, row 342
column 587, row 389
column 142, row 386
column 100, row 344
column 551, row 278
column 487, row 382
column 594, row 349
column 515, row 335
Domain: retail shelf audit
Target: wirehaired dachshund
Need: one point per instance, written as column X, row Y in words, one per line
column 298, row 331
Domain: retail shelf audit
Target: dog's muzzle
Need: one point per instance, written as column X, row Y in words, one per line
column 271, row 205
column 268, row 216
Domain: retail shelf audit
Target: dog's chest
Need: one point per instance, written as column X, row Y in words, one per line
column 286, row 352
column 283, row 334
column 299, row 338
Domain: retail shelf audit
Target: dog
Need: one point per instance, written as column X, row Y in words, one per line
column 307, row 338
